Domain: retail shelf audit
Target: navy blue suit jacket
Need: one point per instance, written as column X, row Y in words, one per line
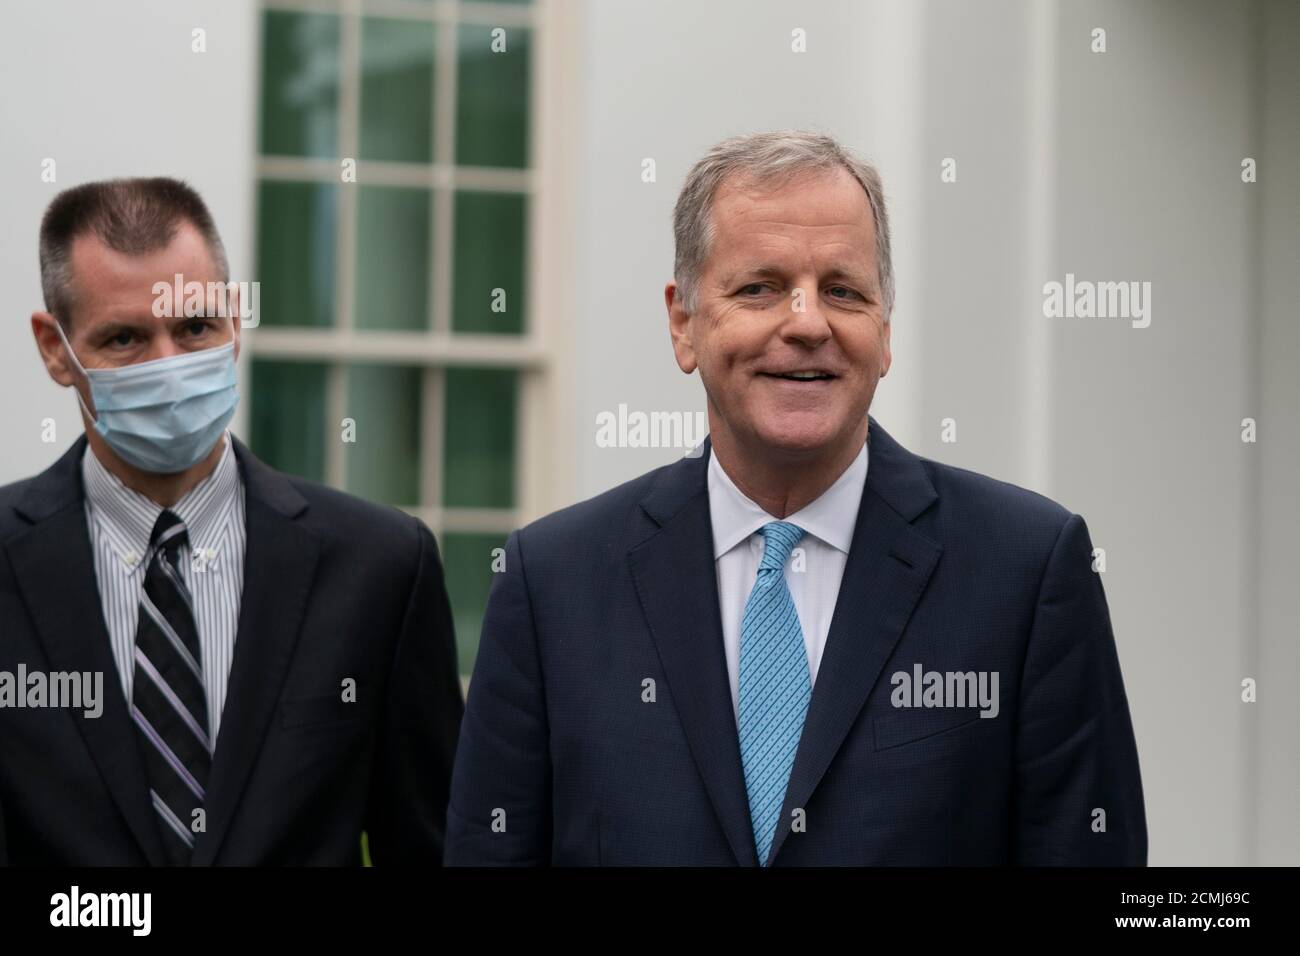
column 562, row 758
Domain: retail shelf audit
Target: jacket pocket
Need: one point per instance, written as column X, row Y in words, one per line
column 909, row 725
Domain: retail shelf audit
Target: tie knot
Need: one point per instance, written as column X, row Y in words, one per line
column 779, row 539
column 168, row 532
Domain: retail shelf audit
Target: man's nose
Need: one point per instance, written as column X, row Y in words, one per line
column 806, row 321
column 160, row 347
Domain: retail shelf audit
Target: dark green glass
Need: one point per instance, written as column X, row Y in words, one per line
column 467, row 561
column 488, row 254
column 300, row 84
column 492, row 93
column 287, row 417
column 397, row 71
column 393, row 258
column 479, row 443
column 296, row 225
column 383, row 464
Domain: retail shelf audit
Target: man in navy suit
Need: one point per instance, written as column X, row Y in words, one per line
column 806, row 645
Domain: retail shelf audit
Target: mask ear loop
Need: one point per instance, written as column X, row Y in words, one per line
column 58, row 326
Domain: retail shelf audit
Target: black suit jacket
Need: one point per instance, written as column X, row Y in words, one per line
column 564, row 758
column 334, row 588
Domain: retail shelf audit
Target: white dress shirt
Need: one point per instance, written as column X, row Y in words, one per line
column 120, row 522
column 738, row 548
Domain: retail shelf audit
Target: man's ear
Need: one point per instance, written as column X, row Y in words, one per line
column 53, row 353
column 235, row 322
column 679, row 327
column 886, row 354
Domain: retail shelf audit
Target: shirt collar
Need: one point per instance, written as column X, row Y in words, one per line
column 129, row 516
column 830, row 517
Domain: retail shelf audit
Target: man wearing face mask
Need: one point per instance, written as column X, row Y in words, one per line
column 277, row 658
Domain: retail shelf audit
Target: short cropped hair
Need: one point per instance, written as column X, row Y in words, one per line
column 131, row 216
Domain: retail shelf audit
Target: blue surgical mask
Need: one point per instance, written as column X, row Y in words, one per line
column 166, row 415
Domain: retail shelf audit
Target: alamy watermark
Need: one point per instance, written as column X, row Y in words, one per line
column 1102, row 300
column 193, row 299
column 75, row 908
column 922, row 688
column 658, row 429
column 75, row 690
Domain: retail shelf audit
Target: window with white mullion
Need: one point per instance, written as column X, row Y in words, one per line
column 481, row 12
column 444, row 156
column 431, row 436
column 388, row 368
column 336, row 410
column 377, row 172
column 349, row 137
column 420, row 348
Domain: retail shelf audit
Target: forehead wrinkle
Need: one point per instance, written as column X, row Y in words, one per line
column 741, row 239
column 765, row 207
column 850, row 232
column 752, row 222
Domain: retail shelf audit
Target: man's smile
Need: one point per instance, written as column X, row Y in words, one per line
column 802, row 376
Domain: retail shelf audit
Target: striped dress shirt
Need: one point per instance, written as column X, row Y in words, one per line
column 120, row 522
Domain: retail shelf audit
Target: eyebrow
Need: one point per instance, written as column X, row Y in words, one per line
column 773, row 272
column 118, row 326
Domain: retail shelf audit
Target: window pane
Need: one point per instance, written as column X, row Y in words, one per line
column 397, row 90
column 300, row 84
column 392, row 258
column 467, row 566
column 488, row 255
column 479, row 449
column 383, row 464
column 288, row 416
column 295, row 252
column 492, row 93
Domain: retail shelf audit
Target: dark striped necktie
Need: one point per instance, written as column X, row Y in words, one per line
column 168, row 703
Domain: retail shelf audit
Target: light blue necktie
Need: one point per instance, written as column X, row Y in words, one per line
column 774, row 685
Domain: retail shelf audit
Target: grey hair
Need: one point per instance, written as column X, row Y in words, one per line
column 766, row 158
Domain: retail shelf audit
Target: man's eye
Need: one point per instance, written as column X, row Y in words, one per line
column 757, row 286
column 841, row 288
column 197, row 328
column 121, row 340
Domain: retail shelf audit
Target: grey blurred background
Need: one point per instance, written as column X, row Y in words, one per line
column 524, row 171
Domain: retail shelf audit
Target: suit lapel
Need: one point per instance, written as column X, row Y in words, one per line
column 55, row 569
column 677, row 585
column 888, row 567
column 279, row 566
